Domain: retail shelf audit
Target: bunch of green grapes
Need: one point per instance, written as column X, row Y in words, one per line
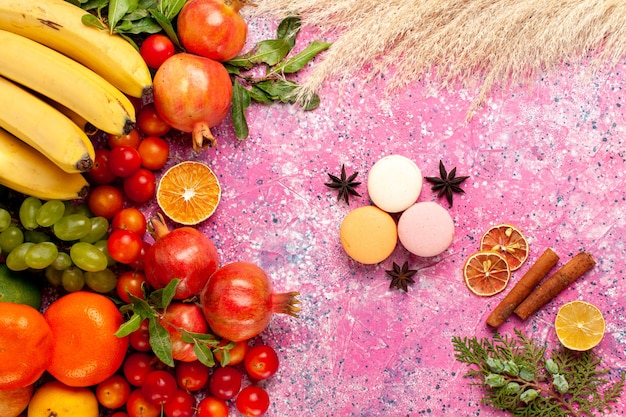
column 64, row 240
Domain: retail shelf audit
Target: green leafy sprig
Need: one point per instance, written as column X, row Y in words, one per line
column 273, row 85
column 132, row 17
column 517, row 377
column 152, row 308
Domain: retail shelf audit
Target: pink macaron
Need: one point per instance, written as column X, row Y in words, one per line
column 425, row 229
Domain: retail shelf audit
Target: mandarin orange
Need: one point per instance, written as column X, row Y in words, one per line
column 189, row 192
column 86, row 350
column 25, row 345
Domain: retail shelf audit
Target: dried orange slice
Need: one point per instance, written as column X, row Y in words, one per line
column 508, row 240
column 189, row 192
column 579, row 325
column 486, row 273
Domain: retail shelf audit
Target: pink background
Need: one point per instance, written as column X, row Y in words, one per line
column 549, row 158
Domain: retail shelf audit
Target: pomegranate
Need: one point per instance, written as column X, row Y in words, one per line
column 181, row 317
column 193, row 94
column 238, row 301
column 184, row 253
column 212, row 28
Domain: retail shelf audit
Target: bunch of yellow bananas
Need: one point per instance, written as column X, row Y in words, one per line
column 57, row 76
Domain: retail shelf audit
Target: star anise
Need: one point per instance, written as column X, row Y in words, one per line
column 447, row 183
column 401, row 276
column 344, row 184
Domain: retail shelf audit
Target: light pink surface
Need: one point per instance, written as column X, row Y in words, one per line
column 549, row 159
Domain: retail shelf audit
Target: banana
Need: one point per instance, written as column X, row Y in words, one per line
column 79, row 120
column 44, row 128
column 57, row 24
column 64, row 80
column 29, row 172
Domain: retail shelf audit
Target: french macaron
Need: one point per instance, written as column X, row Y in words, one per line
column 426, row 229
column 394, row 183
column 368, row 234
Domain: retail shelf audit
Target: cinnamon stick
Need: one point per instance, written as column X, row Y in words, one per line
column 570, row 272
column 523, row 288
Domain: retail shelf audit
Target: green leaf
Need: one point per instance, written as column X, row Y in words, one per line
column 123, row 26
column 147, row 4
column 298, row 61
column 240, row 102
column 141, row 307
column 259, row 95
column 137, row 14
column 95, row 4
column 160, row 342
column 168, row 293
column 279, row 89
column 117, row 10
column 225, row 357
column 166, row 24
column 288, row 29
column 145, row 25
column 240, row 61
column 207, row 338
column 232, row 70
column 92, row 21
column 129, row 326
column 172, row 8
column 269, row 52
column 204, row 354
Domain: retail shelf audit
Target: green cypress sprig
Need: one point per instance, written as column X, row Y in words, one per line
column 519, row 377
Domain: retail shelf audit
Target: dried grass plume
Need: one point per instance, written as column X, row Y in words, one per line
column 488, row 42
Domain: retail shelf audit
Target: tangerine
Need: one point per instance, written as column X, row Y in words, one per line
column 189, row 192
column 25, row 345
column 486, row 273
column 508, row 240
column 579, row 325
column 86, row 350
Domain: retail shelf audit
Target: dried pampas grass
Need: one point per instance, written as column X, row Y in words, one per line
column 488, row 42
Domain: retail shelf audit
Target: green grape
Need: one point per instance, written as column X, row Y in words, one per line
column 62, row 261
column 53, row 276
column 83, row 209
column 5, row 219
column 101, row 281
column 50, row 213
column 102, row 246
column 88, row 257
column 11, row 238
column 36, row 236
column 16, row 259
column 99, row 228
column 73, row 279
column 40, row 255
column 28, row 212
column 72, row 227
column 71, row 208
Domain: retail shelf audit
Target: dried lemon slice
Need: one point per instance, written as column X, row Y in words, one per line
column 508, row 240
column 486, row 273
